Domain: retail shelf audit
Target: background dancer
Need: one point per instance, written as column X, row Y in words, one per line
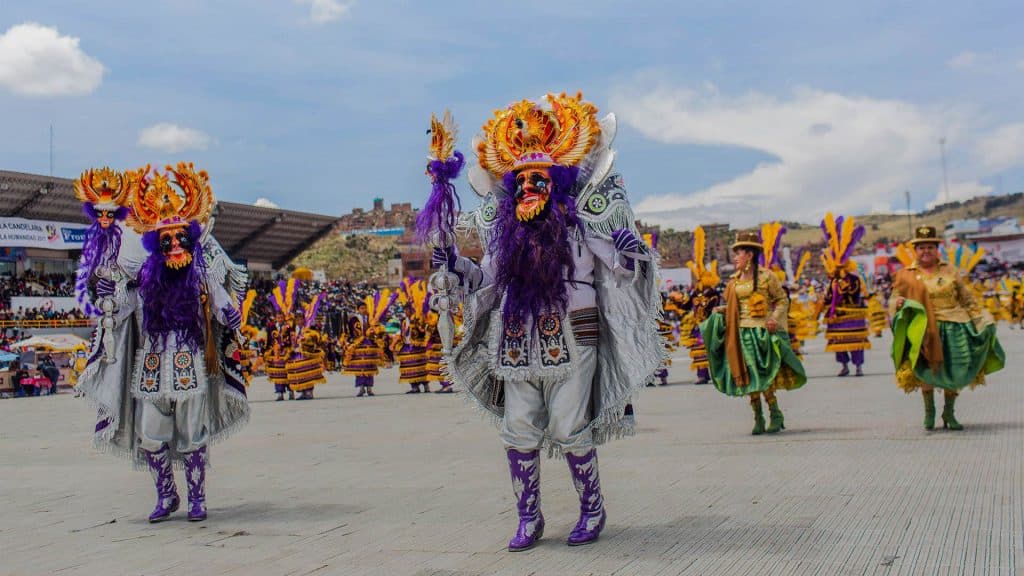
column 364, row 352
column 942, row 338
column 846, row 314
column 747, row 342
column 704, row 298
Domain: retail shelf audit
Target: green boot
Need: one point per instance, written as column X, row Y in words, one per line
column 929, row 409
column 778, row 421
column 755, row 403
column 948, row 418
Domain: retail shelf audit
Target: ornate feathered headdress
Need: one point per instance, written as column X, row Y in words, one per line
column 378, row 305
column 704, row 276
column 443, row 135
column 247, row 329
column 283, row 296
column 841, row 238
column 804, row 259
column 171, row 199
column 310, row 310
column 527, row 135
column 771, row 254
column 415, row 296
column 104, row 188
column 246, row 307
column 905, row 254
column 964, row 258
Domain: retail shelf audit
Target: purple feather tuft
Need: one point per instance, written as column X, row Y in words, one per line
column 855, row 238
column 438, row 214
column 314, row 309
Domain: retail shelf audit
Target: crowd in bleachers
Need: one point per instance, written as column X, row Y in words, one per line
column 33, row 284
column 36, row 285
column 341, row 296
column 40, row 314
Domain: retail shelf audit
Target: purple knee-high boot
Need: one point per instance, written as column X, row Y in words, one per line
column 525, row 470
column 588, row 485
column 167, row 500
column 195, row 476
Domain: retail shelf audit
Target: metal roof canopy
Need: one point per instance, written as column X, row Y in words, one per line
column 251, row 233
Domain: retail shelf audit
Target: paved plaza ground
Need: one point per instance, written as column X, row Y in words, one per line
column 417, row 485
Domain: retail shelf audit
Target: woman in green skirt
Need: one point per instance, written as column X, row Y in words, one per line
column 942, row 338
column 747, row 343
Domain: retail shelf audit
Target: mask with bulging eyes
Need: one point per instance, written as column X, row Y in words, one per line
column 176, row 246
column 105, row 218
column 533, row 189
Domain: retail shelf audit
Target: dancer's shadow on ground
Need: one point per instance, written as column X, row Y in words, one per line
column 981, row 428
column 257, row 512
column 707, row 534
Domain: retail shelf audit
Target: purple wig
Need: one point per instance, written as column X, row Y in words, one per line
column 438, row 214
column 533, row 259
column 101, row 248
column 171, row 299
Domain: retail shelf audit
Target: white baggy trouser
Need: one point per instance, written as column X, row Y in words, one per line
column 560, row 410
column 180, row 424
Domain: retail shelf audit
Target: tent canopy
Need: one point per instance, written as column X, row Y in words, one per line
column 52, row 343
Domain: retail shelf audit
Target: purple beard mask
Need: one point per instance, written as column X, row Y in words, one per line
column 533, row 259
column 101, row 248
column 171, row 299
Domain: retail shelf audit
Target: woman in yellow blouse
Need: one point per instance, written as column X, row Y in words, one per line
column 747, row 344
column 942, row 337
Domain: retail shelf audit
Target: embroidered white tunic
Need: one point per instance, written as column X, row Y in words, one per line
column 173, row 371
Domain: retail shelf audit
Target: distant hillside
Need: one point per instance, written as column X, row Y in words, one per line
column 355, row 258
column 676, row 247
column 892, row 227
column 365, row 257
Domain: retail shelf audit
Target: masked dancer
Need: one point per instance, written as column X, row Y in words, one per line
column 185, row 392
column 560, row 315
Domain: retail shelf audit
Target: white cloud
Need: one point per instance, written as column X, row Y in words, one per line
column 1003, row 148
column 964, row 60
column 833, row 152
column 171, row 138
column 35, row 60
column 960, row 191
column 324, row 11
column 265, row 203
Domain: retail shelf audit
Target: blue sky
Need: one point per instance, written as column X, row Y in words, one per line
column 728, row 111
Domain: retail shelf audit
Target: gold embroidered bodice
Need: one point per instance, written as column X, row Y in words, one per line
column 768, row 300
column 951, row 298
